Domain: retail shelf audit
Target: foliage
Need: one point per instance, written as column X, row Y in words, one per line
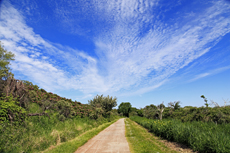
column 10, row 111
column 205, row 100
column 40, row 132
column 150, row 111
column 140, row 112
column 124, row 108
column 174, row 105
column 217, row 115
column 5, row 58
column 105, row 103
column 200, row 136
column 65, row 109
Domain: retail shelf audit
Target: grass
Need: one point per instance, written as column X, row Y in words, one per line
column 141, row 141
column 39, row 133
column 73, row 145
column 199, row 136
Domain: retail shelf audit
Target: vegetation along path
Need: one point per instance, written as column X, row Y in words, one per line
column 111, row 140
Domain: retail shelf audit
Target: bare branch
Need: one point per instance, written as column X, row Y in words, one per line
column 214, row 103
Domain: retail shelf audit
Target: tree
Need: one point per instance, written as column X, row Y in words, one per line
column 150, row 111
column 174, row 105
column 205, row 100
column 124, row 108
column 5, row 58
column 105, row 103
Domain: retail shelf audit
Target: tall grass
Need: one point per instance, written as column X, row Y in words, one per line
column 74, row 144
column 39, row 132
column 200, row 136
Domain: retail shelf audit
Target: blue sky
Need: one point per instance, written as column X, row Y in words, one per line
column 140, row 51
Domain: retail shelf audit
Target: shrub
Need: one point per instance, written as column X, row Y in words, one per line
column 65, row 109
column 10, row 111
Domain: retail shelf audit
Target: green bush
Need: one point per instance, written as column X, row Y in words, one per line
column 10, row 111
column 65, row 109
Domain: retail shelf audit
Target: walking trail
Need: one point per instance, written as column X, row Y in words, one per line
column 111, row 140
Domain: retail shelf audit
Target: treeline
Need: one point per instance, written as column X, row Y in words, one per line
column 21, row 99
column 173, row 110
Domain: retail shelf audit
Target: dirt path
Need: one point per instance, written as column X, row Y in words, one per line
column 111, row 140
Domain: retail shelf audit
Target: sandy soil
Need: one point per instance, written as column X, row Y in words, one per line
column 111, row 140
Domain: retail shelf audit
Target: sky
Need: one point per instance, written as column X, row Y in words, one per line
column 141, row 51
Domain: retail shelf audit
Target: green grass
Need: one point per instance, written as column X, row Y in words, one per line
column 39, row 133
column 73, row 145
column 141, row 141
column 199, row 136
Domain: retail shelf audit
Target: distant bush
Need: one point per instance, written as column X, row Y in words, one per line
column 206, row 114
column 124, row 108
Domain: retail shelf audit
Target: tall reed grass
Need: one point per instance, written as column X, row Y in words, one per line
column 200, row 136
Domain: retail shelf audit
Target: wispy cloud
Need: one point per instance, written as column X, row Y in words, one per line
column 200, row 76
column 212, row 72
column 137, row 50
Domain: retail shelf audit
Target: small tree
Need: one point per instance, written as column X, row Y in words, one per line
column 106, row 103
column 124, row 108
column 205, row 100
column 5, row 58
column 174, row 105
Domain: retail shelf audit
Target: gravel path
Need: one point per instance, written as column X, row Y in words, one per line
column 111, row 140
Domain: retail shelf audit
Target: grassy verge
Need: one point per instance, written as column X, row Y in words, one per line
column 39, row 133
column 141, row 141
column 73, row 145
column 200, row 136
